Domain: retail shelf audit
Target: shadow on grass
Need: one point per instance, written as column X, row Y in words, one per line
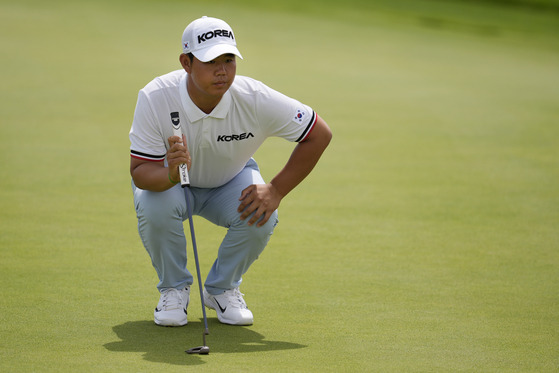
column 168, row 345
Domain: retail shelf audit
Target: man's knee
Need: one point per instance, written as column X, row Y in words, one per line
column 158, row 207
column 263, row 232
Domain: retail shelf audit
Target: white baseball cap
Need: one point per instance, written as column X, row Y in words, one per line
column 208, row 38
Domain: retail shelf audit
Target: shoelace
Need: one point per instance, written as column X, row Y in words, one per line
column 171, row 299
column 235, row 298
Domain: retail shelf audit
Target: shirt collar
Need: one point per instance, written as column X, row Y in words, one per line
column 194, row 113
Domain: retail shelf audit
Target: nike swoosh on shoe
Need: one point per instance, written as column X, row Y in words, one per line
column 220, row 308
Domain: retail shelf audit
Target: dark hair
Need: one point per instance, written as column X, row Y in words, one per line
column 191, row 56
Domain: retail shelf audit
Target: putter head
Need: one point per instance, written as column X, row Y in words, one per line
column 201, row 350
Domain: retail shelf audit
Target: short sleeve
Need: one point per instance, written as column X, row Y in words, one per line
column 146, row 139
column 282, row 116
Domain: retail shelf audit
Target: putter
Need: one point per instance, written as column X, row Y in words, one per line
column 185, row 182
column 202, row 350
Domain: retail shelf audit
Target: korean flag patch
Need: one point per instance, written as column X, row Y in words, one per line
column 300, row 116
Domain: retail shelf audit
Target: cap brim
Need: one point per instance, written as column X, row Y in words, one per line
column 214, row 51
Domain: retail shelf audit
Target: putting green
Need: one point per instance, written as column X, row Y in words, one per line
column 425, row 240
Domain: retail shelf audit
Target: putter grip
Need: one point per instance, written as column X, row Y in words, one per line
column 183, row 169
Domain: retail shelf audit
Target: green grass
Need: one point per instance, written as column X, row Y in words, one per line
column 426, row 239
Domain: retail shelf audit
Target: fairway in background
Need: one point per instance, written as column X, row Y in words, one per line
column 425, row 240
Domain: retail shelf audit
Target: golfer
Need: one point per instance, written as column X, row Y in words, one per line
column 224, row 119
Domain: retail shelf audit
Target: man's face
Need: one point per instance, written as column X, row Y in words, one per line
column 213, row 78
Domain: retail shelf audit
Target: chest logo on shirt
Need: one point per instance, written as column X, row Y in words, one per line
column 229, row 138
column 175, row 118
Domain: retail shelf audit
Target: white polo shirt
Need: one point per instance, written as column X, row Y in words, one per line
column 222, row 142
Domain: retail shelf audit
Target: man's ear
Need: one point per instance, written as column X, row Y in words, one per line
column 185, row 62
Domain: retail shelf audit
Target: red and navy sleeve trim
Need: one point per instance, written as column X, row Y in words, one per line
column 147, row 157
column 309, row 128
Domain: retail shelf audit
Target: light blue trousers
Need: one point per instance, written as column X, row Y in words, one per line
column 160, row 224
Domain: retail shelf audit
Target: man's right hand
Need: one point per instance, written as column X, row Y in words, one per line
column 177, row 155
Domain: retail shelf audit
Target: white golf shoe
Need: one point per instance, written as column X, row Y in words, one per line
column 171, row 309
column 230, row 307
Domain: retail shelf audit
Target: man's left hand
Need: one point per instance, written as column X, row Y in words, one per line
column 260, row 199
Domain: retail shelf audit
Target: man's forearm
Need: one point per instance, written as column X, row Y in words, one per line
column 152, row 176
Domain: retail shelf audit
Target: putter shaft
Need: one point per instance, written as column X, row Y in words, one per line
column 204, row 348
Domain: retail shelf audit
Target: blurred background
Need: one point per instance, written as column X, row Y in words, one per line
column 426, row 239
